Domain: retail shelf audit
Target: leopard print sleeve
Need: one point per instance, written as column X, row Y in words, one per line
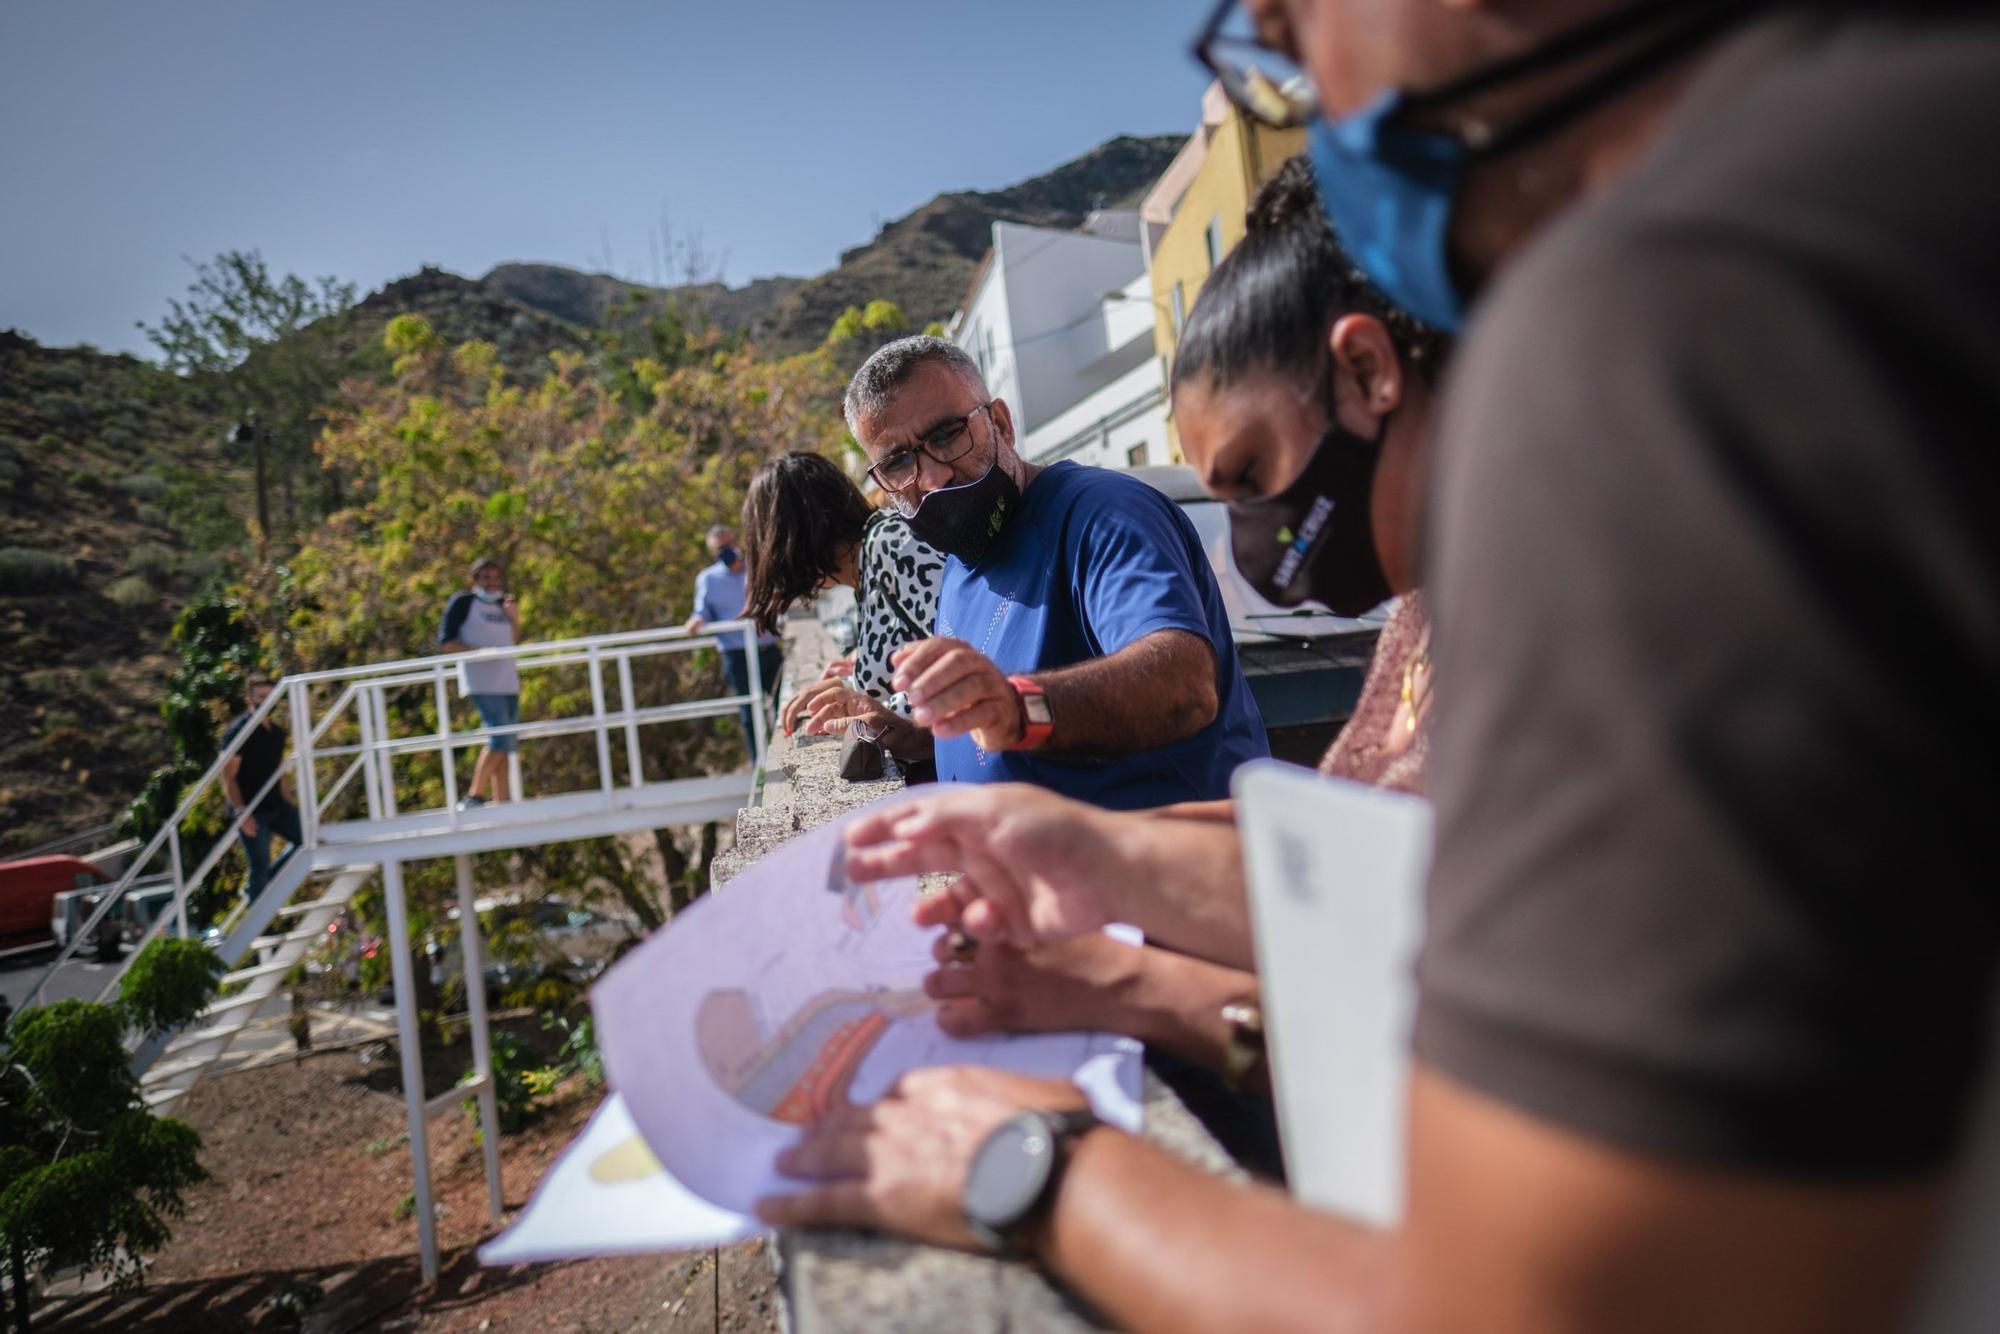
column 898, row 601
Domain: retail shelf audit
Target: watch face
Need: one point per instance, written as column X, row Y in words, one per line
column 1037, row 707
column 1009, row 1172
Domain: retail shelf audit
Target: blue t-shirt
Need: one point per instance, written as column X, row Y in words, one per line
column 1092, row 562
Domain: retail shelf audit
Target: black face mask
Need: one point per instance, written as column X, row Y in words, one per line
column 1316, row 538
column 964, row 520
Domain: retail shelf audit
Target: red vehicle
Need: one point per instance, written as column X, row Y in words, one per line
column 28, row 891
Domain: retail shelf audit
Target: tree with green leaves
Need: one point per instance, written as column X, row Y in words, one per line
column 88, row 1176
column 267, row 350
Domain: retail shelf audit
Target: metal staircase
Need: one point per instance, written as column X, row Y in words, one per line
column 172, row 1063
column 355, row 752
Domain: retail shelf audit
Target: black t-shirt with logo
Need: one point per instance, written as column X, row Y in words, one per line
column 1717, row 597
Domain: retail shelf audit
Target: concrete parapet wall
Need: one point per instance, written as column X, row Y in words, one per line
column 838, row 1280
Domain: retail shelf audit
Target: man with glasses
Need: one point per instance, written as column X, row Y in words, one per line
column 1710, row 933
column 1082, row 643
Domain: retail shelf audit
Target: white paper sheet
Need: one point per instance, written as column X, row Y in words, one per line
column 775, row 998
column 607, row 1195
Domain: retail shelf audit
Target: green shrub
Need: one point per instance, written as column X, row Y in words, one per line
column 98, row 679
column 144, row 486
column 153, row 516
column 46, row 680
column 48, row 440
column 131, row 593
column 83, row 479
column 168, row 983
column 60, row 377
column 206, row 567
column 62, row 407
column 59, row 720
column 152, row 560
column 27, row 570
column 116, row 438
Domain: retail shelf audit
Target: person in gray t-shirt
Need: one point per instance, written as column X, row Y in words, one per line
column 486, row 616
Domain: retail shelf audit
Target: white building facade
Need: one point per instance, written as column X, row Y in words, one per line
column 1061, row 325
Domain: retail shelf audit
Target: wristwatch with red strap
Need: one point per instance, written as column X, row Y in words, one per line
column 1036, row 720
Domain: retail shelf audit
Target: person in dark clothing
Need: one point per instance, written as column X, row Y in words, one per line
column 245, row 778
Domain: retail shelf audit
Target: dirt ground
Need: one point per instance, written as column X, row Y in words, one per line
column 305, row 1225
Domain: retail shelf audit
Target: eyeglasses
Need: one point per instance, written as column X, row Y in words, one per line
column 947, row 442
column 1265, row 85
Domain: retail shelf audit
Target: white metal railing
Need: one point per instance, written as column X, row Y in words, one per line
column 362, row 703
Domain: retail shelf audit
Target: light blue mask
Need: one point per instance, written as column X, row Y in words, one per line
column 1388, row 193
column 1388, row 190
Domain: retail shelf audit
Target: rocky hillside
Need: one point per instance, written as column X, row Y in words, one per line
column 921, row 261
column 115, row 494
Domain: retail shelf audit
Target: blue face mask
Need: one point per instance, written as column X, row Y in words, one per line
column 1388, row 193
column 1388, row 189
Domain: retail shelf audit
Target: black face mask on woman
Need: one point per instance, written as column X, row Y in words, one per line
column 1316, row 538
column 964, row 520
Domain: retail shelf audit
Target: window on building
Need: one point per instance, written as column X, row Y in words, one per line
column 1215, row 241
column 1180, row 311
column 1135, row 457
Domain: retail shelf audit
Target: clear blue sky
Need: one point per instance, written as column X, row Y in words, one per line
column 362, row 138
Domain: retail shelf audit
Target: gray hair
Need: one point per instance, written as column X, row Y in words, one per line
column 716, row 530
column 874, row 386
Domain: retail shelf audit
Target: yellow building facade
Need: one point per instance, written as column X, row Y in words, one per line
column 1194, row 215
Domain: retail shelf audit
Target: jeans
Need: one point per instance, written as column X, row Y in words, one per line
column 275, row 813
column 736, row 666
column 496, row 711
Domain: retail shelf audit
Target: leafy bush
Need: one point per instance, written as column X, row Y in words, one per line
column 116, row 438
column 62, row 407
column 27, row 570
column 517, row 1084
column 143, row 485
column 60, row 377
column 168, row 983
column 131, row 593
column 152, row 560
column 153, row 516
column 48, row 440
column 59, row 720
column 46, row 680
column 579, row 1053
column 85, row 479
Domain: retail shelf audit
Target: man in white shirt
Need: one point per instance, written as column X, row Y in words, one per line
column 486, row 616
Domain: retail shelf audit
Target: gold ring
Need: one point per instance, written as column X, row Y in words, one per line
column 963, row 947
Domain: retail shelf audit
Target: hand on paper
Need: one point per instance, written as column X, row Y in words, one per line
column 1036, row 866
column 900, row 1165
column 1078, row 985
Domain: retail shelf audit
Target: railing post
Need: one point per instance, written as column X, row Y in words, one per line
column 756, row 696
column 447, row 758
column 371, row 777
column 473, row 949
column 308, row 772
column 380, row 703
column 180, row 881
column 597, row 716
column 402, row 972
column 634, row 769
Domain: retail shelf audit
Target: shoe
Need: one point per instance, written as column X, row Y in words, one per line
column 472, row 803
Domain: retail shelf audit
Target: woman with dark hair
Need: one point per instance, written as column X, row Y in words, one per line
column 807, row 526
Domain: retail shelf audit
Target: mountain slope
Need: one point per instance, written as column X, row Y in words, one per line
column 921, row 261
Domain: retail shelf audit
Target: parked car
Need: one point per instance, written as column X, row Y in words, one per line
column 28, row 890
column 1304, row 665
column 122, row 928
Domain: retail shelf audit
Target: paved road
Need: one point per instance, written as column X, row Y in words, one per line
column 81, row 979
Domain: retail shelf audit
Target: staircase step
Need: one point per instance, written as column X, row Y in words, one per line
column 188, row 1041
column 162, row 1073
column 291, row 938
column 261, row 970
column 301, row 909
column 253, row 996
